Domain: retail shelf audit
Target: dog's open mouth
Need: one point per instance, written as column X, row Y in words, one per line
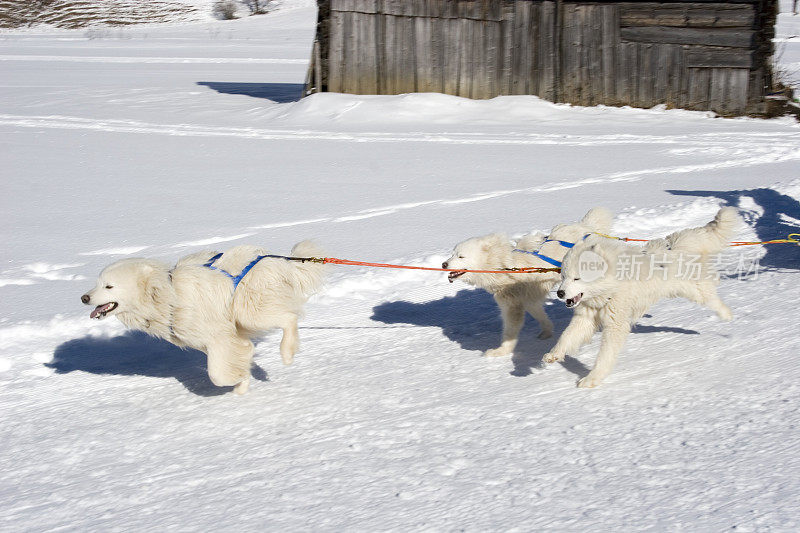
column 101, row 311
column 455, row 275
column 575, row 300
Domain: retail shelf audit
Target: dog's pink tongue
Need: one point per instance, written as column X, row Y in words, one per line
column 99, row 309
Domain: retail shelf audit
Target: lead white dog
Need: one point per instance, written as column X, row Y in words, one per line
column 601, row 280
column 198, row 304
column 517, row 293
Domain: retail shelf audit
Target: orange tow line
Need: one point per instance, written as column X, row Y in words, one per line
column 792, row 238
column 524, row 270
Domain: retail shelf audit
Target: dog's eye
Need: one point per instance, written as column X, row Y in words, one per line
column 109, row 286
column 461, row 257
column 576, row 279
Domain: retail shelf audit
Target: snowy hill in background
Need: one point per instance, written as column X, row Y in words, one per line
column 87, row 13
column 162, row 140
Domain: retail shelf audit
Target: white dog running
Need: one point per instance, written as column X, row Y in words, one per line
column 612, row 299
column 198, row 305
column 517, row 293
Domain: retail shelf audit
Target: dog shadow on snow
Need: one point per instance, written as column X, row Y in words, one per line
column 779, row 218
column 137, row 354
column 472, row 319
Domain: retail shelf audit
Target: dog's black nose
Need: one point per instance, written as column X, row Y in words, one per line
column 444, row 265
column 85, row 298
column 560, row 293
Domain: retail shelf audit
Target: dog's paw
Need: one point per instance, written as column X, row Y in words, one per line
column 725, row 315
column 545, row 335
column 552, row 358
column 288, row 358
column 497, row 352
column 242, row 387
column 589, row 381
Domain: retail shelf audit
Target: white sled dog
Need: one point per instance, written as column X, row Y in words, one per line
column 517, row 293
column 198, row 304
column 601, row 280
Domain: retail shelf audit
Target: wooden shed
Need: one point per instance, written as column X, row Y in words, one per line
column 697, row 54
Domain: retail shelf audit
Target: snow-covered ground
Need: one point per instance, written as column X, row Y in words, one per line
column 787, row 47
column 160, row 141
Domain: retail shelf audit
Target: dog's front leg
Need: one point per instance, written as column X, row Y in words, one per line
column 513, row 314
column 614, row 335
column 577, row 333
column 229, row 364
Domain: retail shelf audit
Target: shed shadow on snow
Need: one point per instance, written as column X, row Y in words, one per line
column 280, row 93
column 771, row 225
column 138, row 354
column 472, row 319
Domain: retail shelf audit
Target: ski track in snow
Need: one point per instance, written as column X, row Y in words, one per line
column 783, row 140
column 213, row 240
column 122, row 250
column 756, row 147
column 735, row 150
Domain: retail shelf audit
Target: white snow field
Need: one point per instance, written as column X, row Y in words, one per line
column 163, row 140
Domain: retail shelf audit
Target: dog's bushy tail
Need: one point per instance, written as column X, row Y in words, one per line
column 598, row 219
column 708, row 239
column 312, row 274
column 724, row 225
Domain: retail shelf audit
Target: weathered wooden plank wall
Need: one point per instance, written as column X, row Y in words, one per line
column 696, row 55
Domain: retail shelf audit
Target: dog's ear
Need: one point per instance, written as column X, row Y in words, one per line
column 494, row 240
column 531, row 241
column 592, row 241
column 150, row 284
column 609, row 255
column 599, row 219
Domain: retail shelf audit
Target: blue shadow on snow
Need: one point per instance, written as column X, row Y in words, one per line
column 768, row 226
column 138, row 354
column 472, row 319
column 280, row 93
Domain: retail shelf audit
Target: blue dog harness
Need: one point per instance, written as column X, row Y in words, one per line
column 542, row 257
column 546, row 259
column 242, row 274
column 254, row 262
column 565, row 244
